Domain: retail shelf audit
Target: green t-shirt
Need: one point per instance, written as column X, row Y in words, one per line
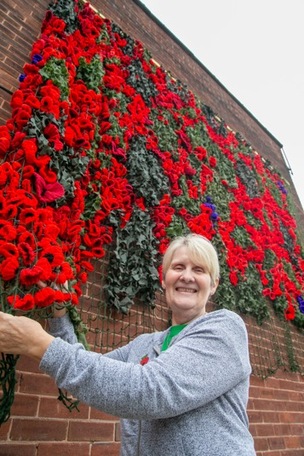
column 174, row 331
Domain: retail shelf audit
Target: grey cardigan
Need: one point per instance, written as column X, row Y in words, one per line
column 187, row 401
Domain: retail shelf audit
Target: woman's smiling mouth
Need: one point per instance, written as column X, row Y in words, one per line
column 185, row 290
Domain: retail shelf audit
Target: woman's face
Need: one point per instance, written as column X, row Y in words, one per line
column 187, row 287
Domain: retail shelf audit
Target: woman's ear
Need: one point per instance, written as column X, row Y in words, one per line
column 163, row 285
column 214, row 287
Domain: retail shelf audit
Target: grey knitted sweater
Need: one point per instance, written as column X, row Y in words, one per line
column 189, row 400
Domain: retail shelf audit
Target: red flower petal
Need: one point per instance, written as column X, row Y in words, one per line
column 48, row 192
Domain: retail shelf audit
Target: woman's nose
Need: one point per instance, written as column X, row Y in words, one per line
column 187, row 275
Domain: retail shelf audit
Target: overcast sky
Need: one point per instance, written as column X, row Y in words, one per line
column 255, row 49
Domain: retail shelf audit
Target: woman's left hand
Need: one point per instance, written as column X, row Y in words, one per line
column 58, row 311
column 23, row 336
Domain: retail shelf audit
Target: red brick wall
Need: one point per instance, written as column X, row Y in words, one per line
column 39, row 424
column 275, row 408
column 276, row 414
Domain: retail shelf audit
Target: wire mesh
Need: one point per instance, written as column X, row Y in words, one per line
column 108, row 328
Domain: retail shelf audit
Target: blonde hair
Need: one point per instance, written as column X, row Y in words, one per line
column 201, row 252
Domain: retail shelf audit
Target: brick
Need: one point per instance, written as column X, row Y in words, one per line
column 263, row 393
column 4, row 430
column 289, row 417
column 26, row 364
column 37, row 384
column 282, row 429
column 93, row 431
column 296, row 429
column 51, row 407
column 38, row 430
column 276, row 443
column 294, row 441
column 254, row 416
column 24, row 405
column 103, row 449
column 9, row 449
column 102, row 416
column 256, row 381
column 291, row 452
column 263, row 404
column 293, row 406
column 66, row 449
column 262, row 430
column 288, row 376
column 261, row 444
column 270, row 417
column 4, row 9
column 9, row 81
column 11, row 72
column 269, row 453
column 5, row 99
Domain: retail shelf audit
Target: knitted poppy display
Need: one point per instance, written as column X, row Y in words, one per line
column 106, row 152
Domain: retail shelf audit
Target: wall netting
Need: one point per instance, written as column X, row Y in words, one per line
column 108, row 328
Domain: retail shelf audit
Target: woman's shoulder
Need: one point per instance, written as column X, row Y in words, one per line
column 222, row 319
column 221, row 315
column 225, row 314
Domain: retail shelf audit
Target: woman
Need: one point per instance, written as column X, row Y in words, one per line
column 180, row 392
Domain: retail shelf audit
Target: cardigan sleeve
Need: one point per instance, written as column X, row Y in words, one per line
column 62, row 327
column 208, row 359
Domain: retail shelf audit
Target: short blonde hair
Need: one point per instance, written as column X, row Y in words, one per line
column 201, row 252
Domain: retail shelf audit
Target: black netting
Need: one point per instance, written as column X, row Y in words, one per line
column 107, row 327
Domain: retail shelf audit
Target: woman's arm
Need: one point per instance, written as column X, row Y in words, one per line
column 62, row 327
column 213, row 352
column 207, row 362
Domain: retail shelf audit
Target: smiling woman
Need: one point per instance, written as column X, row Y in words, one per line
column 190, row 277
column 192, row 377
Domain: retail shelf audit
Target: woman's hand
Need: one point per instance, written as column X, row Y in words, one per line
column 23, row 336
column 58, row 311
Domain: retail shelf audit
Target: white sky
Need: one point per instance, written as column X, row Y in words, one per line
column 255, row 49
